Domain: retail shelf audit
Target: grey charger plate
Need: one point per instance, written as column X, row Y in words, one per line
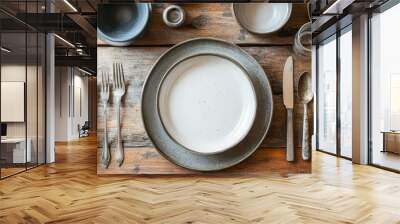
column 175, row 152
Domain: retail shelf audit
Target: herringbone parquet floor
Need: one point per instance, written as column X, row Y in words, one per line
column 71, row 192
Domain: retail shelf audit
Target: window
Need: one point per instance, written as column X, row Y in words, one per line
column 346, row 93
column 326, row 136
column 394, row 117
column 334, row 109
column 385, row 89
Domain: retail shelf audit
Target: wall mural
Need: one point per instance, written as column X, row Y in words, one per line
column 193, row 88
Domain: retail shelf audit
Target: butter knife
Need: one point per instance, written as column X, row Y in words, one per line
column 288, row 102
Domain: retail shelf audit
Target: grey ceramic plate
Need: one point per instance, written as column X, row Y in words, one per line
column 176, row 153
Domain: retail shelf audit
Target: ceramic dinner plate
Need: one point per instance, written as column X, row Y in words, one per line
column 262, row 18
column 207, row 103
column 174, row 90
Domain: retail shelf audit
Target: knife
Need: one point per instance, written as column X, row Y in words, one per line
column 288, row 102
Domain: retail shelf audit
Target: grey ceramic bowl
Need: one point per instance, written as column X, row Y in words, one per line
column 262, row 18
column 120, row 24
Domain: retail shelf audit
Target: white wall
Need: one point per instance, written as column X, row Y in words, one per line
column 61, row 103
column 81, row 84
column 14, row 72
column 17, row 73
column 70, row 109
column 33, row 126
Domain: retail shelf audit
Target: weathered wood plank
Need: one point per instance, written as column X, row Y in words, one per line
column 138, row 61
column 215, row 20
column 147, row 161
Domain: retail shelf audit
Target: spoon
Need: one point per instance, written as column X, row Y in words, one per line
column 305, row 94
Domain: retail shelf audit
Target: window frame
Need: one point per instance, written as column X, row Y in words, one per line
column 334, row 37
column 380, row 9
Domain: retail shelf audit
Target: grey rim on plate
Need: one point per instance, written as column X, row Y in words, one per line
column 178, row 154
column 172, row 67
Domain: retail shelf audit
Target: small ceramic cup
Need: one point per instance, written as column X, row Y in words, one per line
column 174, row 16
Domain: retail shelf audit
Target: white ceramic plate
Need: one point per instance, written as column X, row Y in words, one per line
column 262, row 18
column 207, row 103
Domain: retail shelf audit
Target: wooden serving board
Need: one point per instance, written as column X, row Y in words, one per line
column 140, row 155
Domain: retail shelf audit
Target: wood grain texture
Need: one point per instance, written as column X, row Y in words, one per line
column 146, row 161
column 70, row 191
column 137, row 63
column 215, row 20
column 140, row 155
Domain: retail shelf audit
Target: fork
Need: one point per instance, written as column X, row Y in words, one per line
column 118, row 92
column 104, row 95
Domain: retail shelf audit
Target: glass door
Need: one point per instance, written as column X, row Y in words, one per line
column 22, row 78
column 14, row 145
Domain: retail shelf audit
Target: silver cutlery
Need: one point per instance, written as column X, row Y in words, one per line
column 104, row 96
column 305, row 95
column 288, row 102
column 118, row 93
